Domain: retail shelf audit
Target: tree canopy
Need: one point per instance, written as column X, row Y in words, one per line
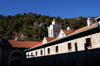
column 11, row 26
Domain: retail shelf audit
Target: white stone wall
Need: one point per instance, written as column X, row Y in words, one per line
column 53, row 27
column 61, row 34
column 44, row 40
column 63, row 47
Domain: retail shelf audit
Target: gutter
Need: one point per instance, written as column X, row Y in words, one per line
column 64, row 37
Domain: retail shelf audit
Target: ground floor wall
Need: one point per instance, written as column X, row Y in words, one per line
column 79, row 58
column 0, row 55
column 6, row 56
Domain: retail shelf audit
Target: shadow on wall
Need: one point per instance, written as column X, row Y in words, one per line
column 78, row 58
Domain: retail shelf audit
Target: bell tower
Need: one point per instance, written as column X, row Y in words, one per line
column 54, row 29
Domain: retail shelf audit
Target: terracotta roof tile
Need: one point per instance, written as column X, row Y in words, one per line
column 67, row 31
column 20, row 44
column 49, row 38
column 84, row 28
column 36, row 45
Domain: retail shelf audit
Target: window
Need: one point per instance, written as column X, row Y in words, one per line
column 41, row 52
column 31, row 54
column 56, row 48
column 28, row 55
column 54, row 63
column 36, row 53
column 76, row 48
column 88, row 42
column 86, row 63
column 69, row 46
column 97, row 63
column 48, row 50
column 73, row 63
column 38, row 63
column 60, row 63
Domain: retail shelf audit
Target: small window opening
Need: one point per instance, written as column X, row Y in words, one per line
column 36, row 53
column 76, row 48
column 54, row 63
column 86, row 63
column 60, row 63
column 69, row 46
column 38, row 63
column 48, row 50
column 73, row 63
column 88, row 42
column 41, row 52
column 28, row 55
column 31, row 54
column 56, row 48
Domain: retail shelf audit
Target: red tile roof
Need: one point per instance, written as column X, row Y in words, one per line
column 49, row 38
column 20, row 44
column 72, row 32
column 67, row 31
column 84, row 28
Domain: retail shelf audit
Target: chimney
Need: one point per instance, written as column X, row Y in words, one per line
column 68, row 28
column 89, row 21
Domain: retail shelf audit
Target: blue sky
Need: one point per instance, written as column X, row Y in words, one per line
column 62, row 8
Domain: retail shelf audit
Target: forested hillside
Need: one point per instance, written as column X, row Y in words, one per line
column 11, row 26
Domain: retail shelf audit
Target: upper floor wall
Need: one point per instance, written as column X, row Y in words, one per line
column 79, row 44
